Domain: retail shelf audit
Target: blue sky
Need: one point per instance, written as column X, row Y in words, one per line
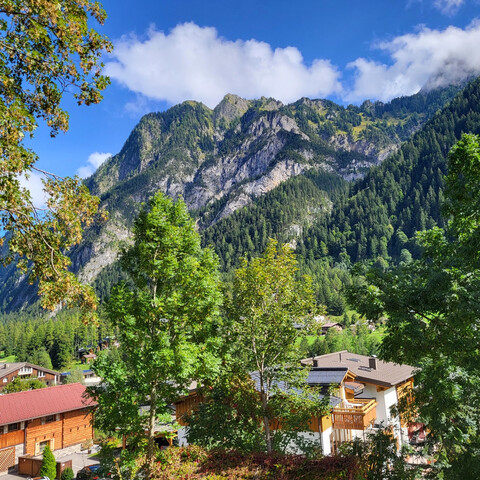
column 345, row 50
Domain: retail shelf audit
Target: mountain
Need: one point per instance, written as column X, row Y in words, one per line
column 290, row 164
column 375, row 219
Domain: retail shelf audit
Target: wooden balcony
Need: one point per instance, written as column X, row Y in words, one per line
column 355, row 415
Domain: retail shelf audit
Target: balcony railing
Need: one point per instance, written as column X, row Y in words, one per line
column 355, row 415
column 25, row 371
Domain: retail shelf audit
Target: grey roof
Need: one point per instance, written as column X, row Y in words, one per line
column 8, row 368
column 385, row 374
column 334, row 401
column 326, row 376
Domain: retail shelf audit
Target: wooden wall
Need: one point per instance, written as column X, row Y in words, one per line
column 36, row 432
column 77, row 427
column 71, row 429
column 12, row 438
column 185, row 407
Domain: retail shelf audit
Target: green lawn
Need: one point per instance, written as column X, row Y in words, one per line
column 9, row 359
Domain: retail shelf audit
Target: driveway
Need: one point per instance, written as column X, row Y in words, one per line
column 79, row 460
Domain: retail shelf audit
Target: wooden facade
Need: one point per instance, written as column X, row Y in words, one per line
column 185, row 407
column 57, row 431
column 67, row 429
column 49, row 377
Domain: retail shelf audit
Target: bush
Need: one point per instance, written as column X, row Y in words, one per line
column 67, row 474
column 49, row 464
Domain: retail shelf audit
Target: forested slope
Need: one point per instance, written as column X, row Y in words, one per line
column 287, row 165
column 372, row 219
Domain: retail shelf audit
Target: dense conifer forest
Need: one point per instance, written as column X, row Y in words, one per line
column 331, row 223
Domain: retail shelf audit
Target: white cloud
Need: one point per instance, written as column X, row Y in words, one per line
column 94, row 161
column 194, row 63
column 35, row 186
column 449, row 7
column 429, row 58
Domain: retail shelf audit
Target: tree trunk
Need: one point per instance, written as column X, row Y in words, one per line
column 266, row 422
column 151, row 430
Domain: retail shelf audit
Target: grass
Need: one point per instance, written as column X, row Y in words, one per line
column 9, row 359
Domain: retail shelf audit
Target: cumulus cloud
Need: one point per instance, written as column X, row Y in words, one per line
column 428, row 58
column 94, row 161
column 449, row 7
column 195, row 63
column 35, row 186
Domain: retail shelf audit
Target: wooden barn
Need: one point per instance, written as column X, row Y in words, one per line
column 56, row 416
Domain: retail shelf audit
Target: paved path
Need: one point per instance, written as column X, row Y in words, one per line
column 79, row 460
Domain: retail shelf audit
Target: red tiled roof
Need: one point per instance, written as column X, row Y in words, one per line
column 21, row 406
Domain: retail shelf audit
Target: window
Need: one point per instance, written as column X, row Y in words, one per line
column 49, row 419
column 41, row 374
column 13, row 427
column 5, row 380
column 40, row 447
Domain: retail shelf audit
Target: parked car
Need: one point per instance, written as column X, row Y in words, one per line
column 91, row 472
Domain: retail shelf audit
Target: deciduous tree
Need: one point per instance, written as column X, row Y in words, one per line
column 433, row 309
column 47, row 48
column 268, row 308
column 166, row 323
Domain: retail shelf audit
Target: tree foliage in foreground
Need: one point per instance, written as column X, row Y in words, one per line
column 433, row 305
column 167, row 324
column 47, row 47
column 260, row 383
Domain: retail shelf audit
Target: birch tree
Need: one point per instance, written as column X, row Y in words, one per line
column 267, row 303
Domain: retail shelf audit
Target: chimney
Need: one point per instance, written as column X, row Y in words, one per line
column 315, row 362
column 340, row 356
column 372, row 362
column 5, row 365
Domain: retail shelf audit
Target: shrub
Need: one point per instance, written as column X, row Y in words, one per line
column 67, row 474
column 49, row 464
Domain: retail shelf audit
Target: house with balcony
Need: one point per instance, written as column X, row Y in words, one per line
column 367, row 395
column 25, row 370
column 59, row 417
column 362, row 391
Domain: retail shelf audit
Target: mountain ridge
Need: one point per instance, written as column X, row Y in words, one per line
column 222, row 160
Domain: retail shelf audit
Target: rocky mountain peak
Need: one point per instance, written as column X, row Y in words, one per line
column 229, row 109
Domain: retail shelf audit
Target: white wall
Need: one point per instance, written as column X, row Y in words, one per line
column 182, row 437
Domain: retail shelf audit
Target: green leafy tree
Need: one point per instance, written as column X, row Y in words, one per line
column 266, row 302
column 433, row 309
column 229, row 417
column 76, row 376
column 42, row 358
column 49, row 464
column 19, row 385
column 166, row 323
column 46, row 48
column 380, row 458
